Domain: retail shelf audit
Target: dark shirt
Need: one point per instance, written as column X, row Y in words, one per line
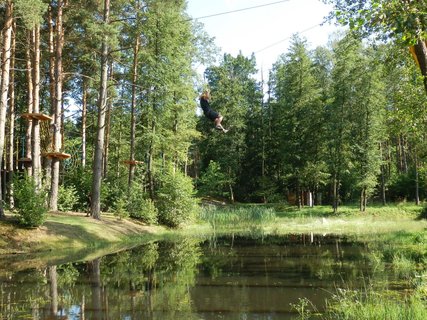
column 205, row 105
column 208, row 112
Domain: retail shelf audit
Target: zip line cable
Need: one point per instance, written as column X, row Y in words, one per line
column 238, row 10
column 287, row 38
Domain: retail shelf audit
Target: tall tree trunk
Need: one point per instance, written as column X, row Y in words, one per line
column 35, row 142
column 119, row 150
column 150, row 167
column 84, row 119
column 57, row 117
column 417, row 184
column 102, row 105
column 335, row 193
column 107, row 131
column 5, row 69
column 47, row 161
column 230, row 186
column 132, row 119
column 421, row 53
column 11, row 149
column 383, row 169
column 29, row 129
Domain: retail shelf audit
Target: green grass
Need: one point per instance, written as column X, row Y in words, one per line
column 283, row 219
column 372, row 305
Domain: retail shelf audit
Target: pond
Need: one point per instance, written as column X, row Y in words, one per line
column 228, row 277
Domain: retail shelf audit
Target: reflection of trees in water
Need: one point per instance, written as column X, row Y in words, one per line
column 150, row 282
column 156, row 280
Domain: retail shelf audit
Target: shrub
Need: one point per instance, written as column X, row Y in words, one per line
column 81, row 179
column 175, row 199
column 213, row 181
column 30, row 204
column 120, row 208
column 67, row 198
column 142, row 208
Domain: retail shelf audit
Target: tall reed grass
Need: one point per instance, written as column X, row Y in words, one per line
column 237, row 218
column 372, row 305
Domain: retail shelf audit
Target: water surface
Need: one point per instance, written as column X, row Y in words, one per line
column 231, row 277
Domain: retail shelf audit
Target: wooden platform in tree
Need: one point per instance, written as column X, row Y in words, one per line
column 132, row 162
column 58, row 155
column 25, row 160
column 37, row 116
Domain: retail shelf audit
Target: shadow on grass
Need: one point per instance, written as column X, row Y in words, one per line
column 423, row 214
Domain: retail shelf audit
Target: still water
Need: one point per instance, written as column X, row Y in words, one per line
column 232, row 277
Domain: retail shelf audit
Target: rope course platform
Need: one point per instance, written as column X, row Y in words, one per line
column 36, row 116
column 58, row 155
column 132, row 162
column 25, row 160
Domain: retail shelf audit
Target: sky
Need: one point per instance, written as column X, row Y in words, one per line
column 265, row 30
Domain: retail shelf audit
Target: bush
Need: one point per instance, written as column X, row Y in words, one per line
column 213, row 182
column 30, row 204
column 141, row 208
column 67, row 198
column 175, row 199
column 81, row 179
column 120, row 208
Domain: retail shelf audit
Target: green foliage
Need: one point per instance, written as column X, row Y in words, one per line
column 304, row 308
column 213, row 181
column 349, row 304
column 79, row 180
column 30, row 203
column 141, row 207
column 175, row 199
column 30, row 11
column 120, row 208
column 402, row 20
column 67, row 198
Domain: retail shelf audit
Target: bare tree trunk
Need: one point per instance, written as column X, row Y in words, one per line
column 119, row 150
column 35, row 142
column 132, row 119
column 11, row 149
column 84, row 119
column 107, row 131
column 417, row 184
column 102, row 105
column 29, row 130
column 57, row 118
column 47, row 161
column 5, row 79
column 335, row 192
column 421, row 53
column 383, row 169
column 150, row 167
column 230, row 187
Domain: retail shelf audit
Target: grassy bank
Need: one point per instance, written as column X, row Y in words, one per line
column 77, row 232
column 283, row 219
column 71, row 231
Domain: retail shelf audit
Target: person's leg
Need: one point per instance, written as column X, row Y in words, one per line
column 218, row 124
column 218, row 121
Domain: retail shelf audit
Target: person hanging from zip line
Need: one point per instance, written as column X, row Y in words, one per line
column 209, row 112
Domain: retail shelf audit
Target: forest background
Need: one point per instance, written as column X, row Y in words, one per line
column 342, row 123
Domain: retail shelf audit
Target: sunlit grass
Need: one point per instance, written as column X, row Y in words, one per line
column 283, row 219
column 370, row 304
